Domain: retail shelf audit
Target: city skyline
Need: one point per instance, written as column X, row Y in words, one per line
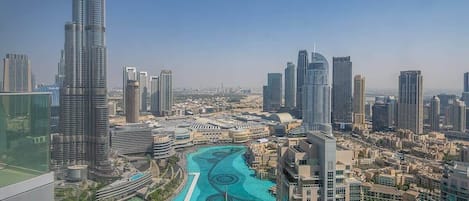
column 388, row 45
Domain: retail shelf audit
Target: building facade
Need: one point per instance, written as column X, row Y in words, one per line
column 359, row 102
column 132, row 101
column 435, row 114
column 341, row 90
column 83, row 103
column 17, row 75
column 454, row 182
column 144, row 90
column 165, row 93
column 410, row 102
column 316, row 96
column 302, row 65
column 290, row 89
column 307, row 168
column 24, row 147
column 458, row 115
column 154, row 95
column 128, row 73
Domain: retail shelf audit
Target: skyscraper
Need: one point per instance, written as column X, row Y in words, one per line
column 410, row 102
column 359, row 102
column 129, row 73
column 266, row 99
column 166, row 93
column 59, row 78
column 17, row 73
column 24, row 147
column 274, row 81
column 84, row 112
column 465, row 93
column 317, row 96
column 435, row 114
column 154, row 95
column 290, row 86
column 466, row 82
column 143, row 86
column 133, row 102
column 458, row 115
column 302, row 65
column 341, row 90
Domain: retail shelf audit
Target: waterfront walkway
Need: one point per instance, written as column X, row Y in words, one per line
column 192, row 187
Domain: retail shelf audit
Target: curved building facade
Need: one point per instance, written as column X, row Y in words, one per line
column 317, row 96
column 121, row 189
column 162, row 146
column 239, row 135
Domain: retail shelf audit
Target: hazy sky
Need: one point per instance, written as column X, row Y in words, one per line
column 236, row 42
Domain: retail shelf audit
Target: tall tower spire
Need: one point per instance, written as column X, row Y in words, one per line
column 84, row 114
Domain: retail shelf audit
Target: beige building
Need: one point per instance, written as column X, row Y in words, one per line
column 373, row 192
column 359, row 103
column 132, row 101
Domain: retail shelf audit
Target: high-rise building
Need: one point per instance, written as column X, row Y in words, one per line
column 17, row 73
column 143, row 86
column 302, row 65
column 84, row 123
column 453, row 184
column 382, row 116
column 266, row 99
column 446, row 100
column 166, row 93
column 317, row 96
column 24, row 147
column 341, row 90
column 128, row 73
column 458, row 115
column 466, row 82
column 359, row 102
column 154, row 95
column 312, row 169
column 133, row 102
column 274, row 81
column 464, row 154
column 290, row 89
column 272, row 93
column 435, row 114
column 59, row 78
column 410, row 102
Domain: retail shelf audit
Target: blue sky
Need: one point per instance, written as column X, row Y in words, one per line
column 236, row 42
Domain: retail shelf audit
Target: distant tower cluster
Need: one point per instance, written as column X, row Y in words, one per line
column 156, row 89
column 16, row 74
column 410, row 102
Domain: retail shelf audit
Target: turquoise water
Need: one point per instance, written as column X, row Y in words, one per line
column 223, row 171
column 136, row 176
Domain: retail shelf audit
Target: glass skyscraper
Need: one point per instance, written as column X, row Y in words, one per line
column 290, row 86
column 302, row 65
column 24, row 147
column 317, row 96
column 341, row 90
column 83, row 103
